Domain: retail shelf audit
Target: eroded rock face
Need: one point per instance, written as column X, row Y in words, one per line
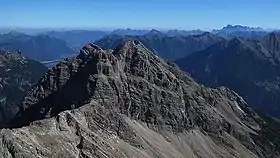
column 131, row 103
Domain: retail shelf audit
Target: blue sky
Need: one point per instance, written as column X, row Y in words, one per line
column 164, row 14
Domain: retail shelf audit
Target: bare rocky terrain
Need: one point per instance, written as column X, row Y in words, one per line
column 130, row 103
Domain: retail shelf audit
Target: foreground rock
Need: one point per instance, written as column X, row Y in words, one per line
column 131, row 103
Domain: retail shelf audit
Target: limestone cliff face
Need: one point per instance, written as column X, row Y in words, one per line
column 131, row 103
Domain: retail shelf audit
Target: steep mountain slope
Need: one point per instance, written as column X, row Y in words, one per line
column 17, row 75
column 78, row 38
column 40, row 48
column 130, row 103
column 168, row 47
column 251, row 68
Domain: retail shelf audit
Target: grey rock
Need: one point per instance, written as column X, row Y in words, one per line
column 130, row 103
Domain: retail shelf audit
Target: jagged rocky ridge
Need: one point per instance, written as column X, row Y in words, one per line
column 17, row 75
column 130, row 103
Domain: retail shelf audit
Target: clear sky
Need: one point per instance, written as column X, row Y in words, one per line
column 165, row 14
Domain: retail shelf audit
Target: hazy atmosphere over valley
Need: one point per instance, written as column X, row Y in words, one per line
column 139, row 79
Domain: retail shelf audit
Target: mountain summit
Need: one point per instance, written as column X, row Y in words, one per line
column 128, row 102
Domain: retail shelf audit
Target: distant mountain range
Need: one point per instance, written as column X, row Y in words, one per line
column 58, row 44
column 39, row 47
column 168, row 47
column 78, row 38
column 125, row 32
column 249, row 67
column 254, row 33
column 239, row 28
column 173, row 33
column 170, row 44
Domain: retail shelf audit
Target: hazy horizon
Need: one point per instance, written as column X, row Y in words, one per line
column 146, row 14
column 112, row 29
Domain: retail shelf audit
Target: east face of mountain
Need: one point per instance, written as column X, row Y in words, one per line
column 167, row 47
column 128, row 102
column 251, row 68
column 17, row 75
column 39, row 48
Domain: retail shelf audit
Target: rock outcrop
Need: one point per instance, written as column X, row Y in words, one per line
column 131, row 103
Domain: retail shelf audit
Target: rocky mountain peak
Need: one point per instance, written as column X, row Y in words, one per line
column 89, row 49
column 130, row 45
column 135, row 102
column 92, row 47
column 7, row 55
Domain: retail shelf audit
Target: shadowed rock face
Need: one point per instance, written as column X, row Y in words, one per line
column 250, row 68
column 131, row 103
column 17, row 75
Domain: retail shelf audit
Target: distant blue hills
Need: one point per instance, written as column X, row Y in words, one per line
column 49, row 45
